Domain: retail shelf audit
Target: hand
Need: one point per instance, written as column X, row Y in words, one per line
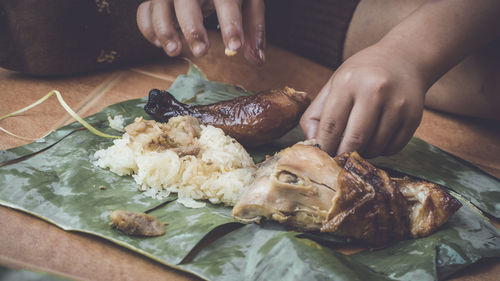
column 375, row 99
column 157, row 21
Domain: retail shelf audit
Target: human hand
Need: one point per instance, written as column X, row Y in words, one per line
column 375, row 99
column 241, row 23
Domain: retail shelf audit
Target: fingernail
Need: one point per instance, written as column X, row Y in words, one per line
column 234, row 44
column 262, row 56
column 260, row 35
column 171, row 47
column 198, row 48
column 260, row 43
column 228, row 52
column 157, row 43
column 310, row 130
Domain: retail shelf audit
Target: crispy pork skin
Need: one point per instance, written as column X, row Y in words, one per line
column 251, row 120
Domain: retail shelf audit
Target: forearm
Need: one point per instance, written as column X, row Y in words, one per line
column 439, row 34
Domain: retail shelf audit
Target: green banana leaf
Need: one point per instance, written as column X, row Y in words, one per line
column 270, row 252
column 55, row 179
column 254, row 250
column 466, row 238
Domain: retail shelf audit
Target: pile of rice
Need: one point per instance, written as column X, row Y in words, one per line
column 196, row 161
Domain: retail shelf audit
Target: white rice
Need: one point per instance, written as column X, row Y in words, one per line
column 117, row 123
column 220, row 172
column 191, row 203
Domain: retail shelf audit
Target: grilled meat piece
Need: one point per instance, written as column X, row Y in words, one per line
column 430, row 206
column 136, row 224
column 368, row 206
column 293, row 187
column 303, row 187
column 251, row 120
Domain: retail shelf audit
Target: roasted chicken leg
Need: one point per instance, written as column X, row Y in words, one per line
column 305, row 188
column 251, row 120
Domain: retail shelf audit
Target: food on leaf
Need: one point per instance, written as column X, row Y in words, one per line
column 191, row 203
column 430, row 206
column 303, row 187
column 117, row 123
column 251, row 120
column 136, row 224
column 182, row 156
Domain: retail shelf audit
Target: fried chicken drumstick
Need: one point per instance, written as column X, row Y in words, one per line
column 251, row 120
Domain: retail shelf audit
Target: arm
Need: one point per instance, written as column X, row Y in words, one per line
column 441, row 33
column 375, row 99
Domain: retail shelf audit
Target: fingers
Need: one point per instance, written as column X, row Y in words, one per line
column 389, row 124
column 255, row 31
column 157, row 20
column 404, row 133
column 309, row 122
column 362, row 122
column 145, row 25
column 190, row 20
column 163, row 21
column 336, row 110
column 229, row 15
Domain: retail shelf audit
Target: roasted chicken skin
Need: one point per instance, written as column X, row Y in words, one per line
column 305, row 188
column 368, row 205
column 430, row 206
column 251, row 120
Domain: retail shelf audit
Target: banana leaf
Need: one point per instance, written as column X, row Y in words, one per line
column 466, row 238
column 55, row 179
column 62, row 186
column 254, row 249
column 270, row 252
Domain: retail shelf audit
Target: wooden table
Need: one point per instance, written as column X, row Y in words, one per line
column 27, row 242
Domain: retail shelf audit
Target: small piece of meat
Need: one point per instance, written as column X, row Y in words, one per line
column 187, row 150
column 430, row 205
column 136, row 224
column 302, row 186
column 251, row 120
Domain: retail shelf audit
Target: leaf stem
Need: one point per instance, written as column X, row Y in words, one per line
column 65, row 106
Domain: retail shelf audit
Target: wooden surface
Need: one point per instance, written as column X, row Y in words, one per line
column 27, row 242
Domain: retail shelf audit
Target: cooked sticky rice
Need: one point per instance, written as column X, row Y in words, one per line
column 117, row 123
column 182, row 156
